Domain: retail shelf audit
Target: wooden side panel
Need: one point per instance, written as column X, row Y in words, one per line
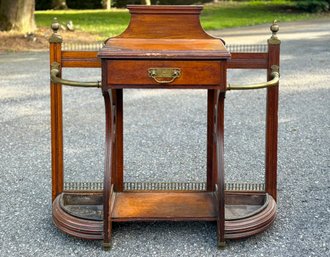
column 248, row 61
column 80, row 59
column 181, row 22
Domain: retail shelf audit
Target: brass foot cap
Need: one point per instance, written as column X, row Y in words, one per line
column 107, row 246
column 221, row 245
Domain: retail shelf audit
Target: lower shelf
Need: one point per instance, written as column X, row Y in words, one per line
column 81, row 214
column 163, row 206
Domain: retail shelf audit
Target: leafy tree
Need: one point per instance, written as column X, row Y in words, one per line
column 313, row 5
column 59, row 4
column 17, row 15
column 147, row 2
column 106, row 4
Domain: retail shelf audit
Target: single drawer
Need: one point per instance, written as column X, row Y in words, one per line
column 164, row 74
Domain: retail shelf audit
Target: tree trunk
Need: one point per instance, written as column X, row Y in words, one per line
column 106, row 4
column 17, row 15
column 146, row 2
column 59, row 4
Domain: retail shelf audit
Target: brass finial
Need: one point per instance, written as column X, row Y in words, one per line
column 55, row 25
column 55, row 38
column 274, row 28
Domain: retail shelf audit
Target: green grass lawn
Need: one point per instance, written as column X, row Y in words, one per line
column 104, row 23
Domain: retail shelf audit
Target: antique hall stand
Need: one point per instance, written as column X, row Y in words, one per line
column 164, row 47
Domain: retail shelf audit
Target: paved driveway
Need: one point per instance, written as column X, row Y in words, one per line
column 302, row 226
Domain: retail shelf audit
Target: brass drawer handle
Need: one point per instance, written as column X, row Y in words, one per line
column 55, row 71
column 164, row 75
column 273, row 82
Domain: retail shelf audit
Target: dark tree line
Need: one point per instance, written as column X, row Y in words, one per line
column 86, row 4
column 313, row 5
column 107, row 4
column 19, row 14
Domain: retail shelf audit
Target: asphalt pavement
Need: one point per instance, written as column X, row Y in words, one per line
column 165, row 140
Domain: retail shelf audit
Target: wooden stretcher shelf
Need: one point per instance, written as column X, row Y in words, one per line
column 164, row 206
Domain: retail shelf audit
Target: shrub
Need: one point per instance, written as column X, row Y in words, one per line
column 97, row 4
column 313, row 5
column 43, row 4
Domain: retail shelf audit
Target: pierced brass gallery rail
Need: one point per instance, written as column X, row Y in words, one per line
column 159, row 186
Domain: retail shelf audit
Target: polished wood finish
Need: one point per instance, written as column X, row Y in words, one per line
column 272, row 124
column 248, row 61
column 89, row 59
column 164, row 206
column 201, row 59
column 204, row 61
column 210, row 169
column 56, row 125
column 234, row 229
column 80, row 59
column 119, row 178
column 164, row 32
column 139, row 205
column 169, row 49
column 109, row 166
column 181, row 23
column 219, row 162
column 82, row 228
column 202, row 74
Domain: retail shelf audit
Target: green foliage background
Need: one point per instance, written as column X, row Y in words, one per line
column 103, row 23
column 305, row 5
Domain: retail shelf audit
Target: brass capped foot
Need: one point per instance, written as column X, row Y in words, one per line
column 107, row 246
column 221, row 245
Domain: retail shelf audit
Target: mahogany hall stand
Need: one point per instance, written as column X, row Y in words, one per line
column 164, row 47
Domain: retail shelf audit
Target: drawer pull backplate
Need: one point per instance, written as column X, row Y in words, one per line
column 164, row 75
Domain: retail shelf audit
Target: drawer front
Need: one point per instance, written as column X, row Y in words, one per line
column 163, row 74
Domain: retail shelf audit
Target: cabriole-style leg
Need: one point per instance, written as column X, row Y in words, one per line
column 219, row 143
column 109, row 167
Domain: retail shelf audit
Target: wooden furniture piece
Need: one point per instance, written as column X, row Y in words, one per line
column 164, row 47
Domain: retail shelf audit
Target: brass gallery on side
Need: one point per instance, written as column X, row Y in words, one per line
column 176, row 55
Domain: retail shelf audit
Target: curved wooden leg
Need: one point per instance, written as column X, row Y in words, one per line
column 219, row 143
column 109, row 168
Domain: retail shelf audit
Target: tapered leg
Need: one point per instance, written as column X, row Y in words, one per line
column 56, row 125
